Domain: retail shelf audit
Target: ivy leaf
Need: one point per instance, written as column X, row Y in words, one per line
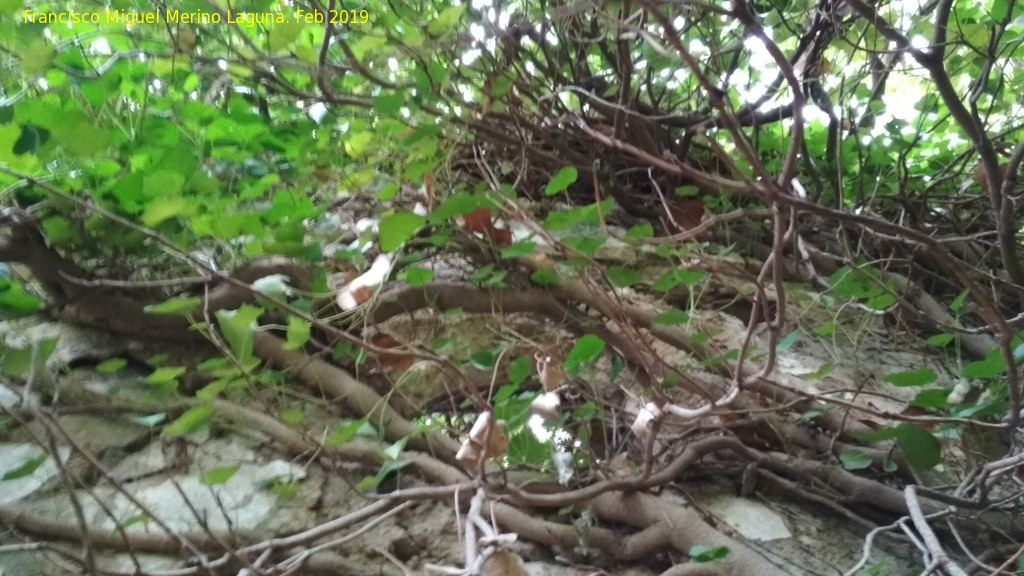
column 562, row 180
column 396, row 228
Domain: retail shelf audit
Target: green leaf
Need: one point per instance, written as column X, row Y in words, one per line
column 880, row 301
column 239, row 327
column 285, row 490
column 416, row 276
column 621, row 277
column 458, row 205
column 825, row 370
column 132, row 520
column 827, row 329
column 292, row 415
column 27, row 468
column 163, row 209
column 562, row 180
column 847, row 283
column 787, row 342
column 519, row 370
column 519, row 249
column 396, row 228
column 298, row 333
column 28, row 142
column 194, row 420
column 162, row 183
column 920, row 377
column 13, row 297
column 483, row 360
column 219, row 475
column 389, row 104
column 445, row 20
column 854, row 460
column 565, row 219
column 958, row 303
column 151, row 421
column 181, row 306
column 356, row 146
column 921, row 448
column 111, row 366
column 640, row 231
column 704, row 554
column 940, row 340
column 931, row 399
column 543, row 277
column 344, row 432
column 617, row 366
column 283, row 35
column 37, row 56
column 586, row 351
column 585, row 245
column 671, row 318
column 274, row 285
column 164, row 375
column 10, row 6
column 677, row 276
column 504, row 393
column 18, row 361
column 990, row 367
column 393, row 451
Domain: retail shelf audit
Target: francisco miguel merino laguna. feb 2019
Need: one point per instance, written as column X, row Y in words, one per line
column 130, row 19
